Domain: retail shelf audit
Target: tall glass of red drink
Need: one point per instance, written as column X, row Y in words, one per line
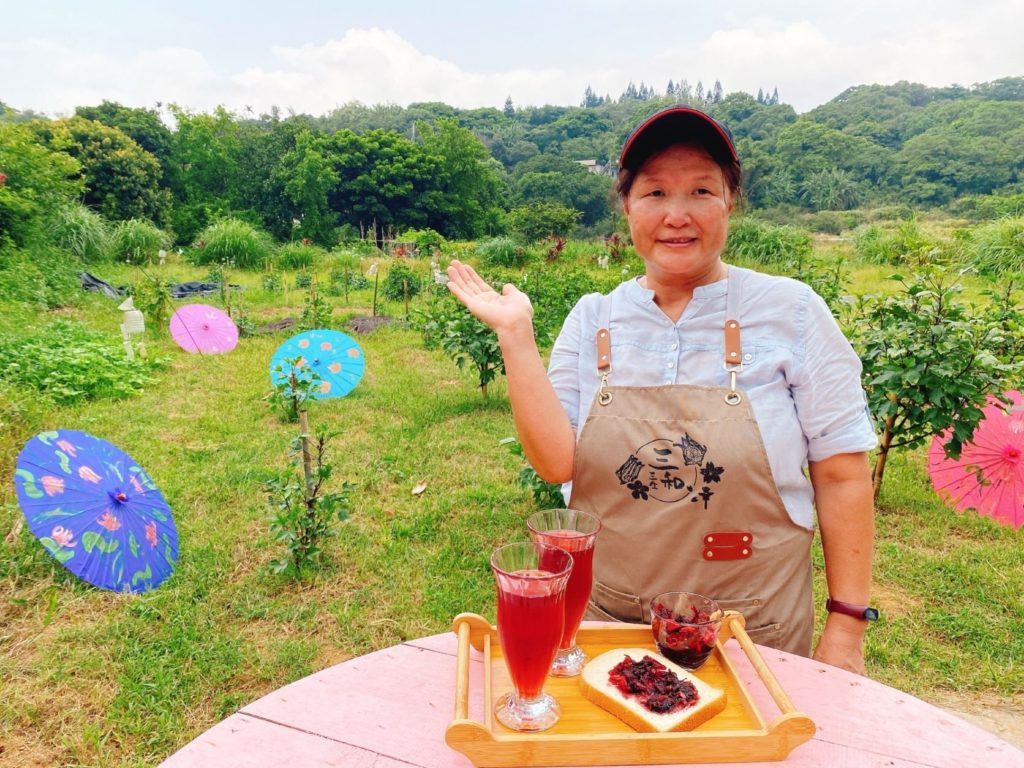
column 531, row 580
column 576, row 532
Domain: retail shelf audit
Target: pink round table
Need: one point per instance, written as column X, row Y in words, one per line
column 390, row 709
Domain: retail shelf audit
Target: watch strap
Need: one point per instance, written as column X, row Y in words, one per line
column 862, row 612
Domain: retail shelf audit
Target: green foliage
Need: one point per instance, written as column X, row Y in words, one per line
column 304, row 514
column 289, row 394
column 545, row 495
column 122, row 180
column 928, row 366
column 444, row 322
column 998, row 247
column 70, row 363
column 501, row 252
column 761, row 243
column 80, row 231
column 401, row 283
column 982, row 207
column 234, row 242
column 554, row 290
column 272, row 282
column 906, row 243
column 308, row 177
column 825, row 277
column 138, row 241
column 316, row 311
column 298, row 256
column 303, row 279
column 536, row 221
column 427, row 240
column 36, row 179
column 153, row 298
column 43, row 278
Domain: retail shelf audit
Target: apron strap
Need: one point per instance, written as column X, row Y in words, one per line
column 733, row 350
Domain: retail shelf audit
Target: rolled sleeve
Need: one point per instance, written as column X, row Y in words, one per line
column 828, row 394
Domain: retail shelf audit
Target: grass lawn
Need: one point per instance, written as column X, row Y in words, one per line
column 93, row 678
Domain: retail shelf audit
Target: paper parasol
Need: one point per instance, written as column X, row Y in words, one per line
column 989, row 475
column 334, row 356
column 203, row 329
column 96, row 511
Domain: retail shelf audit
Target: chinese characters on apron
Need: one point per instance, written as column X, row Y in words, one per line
column 680, row 479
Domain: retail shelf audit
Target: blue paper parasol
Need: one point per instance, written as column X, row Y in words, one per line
column 96, row 511
column 334, row 356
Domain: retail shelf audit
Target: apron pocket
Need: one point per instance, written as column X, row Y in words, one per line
column 617, row 606
column 758, row 624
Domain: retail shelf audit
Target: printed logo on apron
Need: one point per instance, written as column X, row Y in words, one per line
column 669, row 470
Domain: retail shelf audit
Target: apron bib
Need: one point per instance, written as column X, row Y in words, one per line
column 680, row 478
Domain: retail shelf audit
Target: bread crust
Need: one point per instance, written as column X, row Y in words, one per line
column 594, row 686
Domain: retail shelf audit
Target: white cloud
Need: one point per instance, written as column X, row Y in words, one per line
column 809, row 62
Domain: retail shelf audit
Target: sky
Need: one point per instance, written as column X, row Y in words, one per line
column 311, row 56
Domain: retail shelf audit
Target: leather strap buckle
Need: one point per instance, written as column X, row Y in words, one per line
column 728, row 545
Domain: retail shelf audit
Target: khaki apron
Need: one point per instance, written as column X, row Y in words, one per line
column 680, row 479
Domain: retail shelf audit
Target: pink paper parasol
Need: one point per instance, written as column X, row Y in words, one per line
column 989, row 475
column 203, row 329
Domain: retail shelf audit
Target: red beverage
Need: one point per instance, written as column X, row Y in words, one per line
column 577, row 592
column 530, row 619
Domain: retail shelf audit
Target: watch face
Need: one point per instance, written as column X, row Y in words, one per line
column 871, row 614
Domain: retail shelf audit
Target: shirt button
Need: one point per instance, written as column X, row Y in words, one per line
column 674, row 346
column 671, row 365
column 747, row 357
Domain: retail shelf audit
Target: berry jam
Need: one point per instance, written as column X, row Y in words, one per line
column 685, row 640
column 653, row 685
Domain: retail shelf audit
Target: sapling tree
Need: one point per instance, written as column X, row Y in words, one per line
column 303, row 512
column 445, row 323
column 929, row 362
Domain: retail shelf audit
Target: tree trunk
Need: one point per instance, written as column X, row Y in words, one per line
column 883, row 453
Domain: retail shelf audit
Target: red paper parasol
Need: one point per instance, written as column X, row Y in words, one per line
column 989, row 475
column 203, row 329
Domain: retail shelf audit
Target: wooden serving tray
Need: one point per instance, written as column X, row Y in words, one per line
column 588, row 735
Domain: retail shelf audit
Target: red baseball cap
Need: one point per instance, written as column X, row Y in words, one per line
column 676, row 124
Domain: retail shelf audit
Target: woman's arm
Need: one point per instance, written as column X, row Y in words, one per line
column 846, row 517
column 544, row 429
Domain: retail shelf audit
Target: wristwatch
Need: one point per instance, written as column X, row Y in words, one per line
column 862, row 612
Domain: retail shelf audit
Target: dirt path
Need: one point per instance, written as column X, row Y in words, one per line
column 1003, row 717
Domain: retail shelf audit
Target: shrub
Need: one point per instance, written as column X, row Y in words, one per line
column 70, row 363
column 138, row 241
column 298, row 256
column 426, row 240
column 401, row 282
column 232, row 241
column 501, row 252
column 904, row 244
column 998, row 247
column 539, row 220
column 303, row 279
column 762, row 243
column 928, row 367
column 153, row 299
column 272, row 282
column 981, row 207
column 81, row 231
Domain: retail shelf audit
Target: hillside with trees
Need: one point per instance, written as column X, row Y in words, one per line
column 383, row 169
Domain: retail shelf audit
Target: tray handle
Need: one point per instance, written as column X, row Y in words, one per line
column 475, row 630
column 791, row 721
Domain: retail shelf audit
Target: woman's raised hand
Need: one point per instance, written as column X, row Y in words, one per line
column 503, row 311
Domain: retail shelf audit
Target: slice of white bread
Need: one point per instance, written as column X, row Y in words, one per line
column 595, row 685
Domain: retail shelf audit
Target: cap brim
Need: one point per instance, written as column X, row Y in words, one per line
column 677, row 125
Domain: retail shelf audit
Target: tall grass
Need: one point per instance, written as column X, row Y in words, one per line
column 80, row 231
column 762, row 243
column 298, row 256
column 233, row 241
column 998, row 247
column 138, row 241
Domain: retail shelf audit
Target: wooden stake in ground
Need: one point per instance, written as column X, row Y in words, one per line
column 307, row 457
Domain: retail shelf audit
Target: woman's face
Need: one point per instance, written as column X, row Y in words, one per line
column 678, row 210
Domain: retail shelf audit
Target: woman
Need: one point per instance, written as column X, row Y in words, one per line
column 685, row 405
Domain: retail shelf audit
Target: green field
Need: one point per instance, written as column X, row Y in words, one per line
column 93, row 678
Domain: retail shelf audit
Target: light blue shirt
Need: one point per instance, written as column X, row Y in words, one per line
column 800, row 373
